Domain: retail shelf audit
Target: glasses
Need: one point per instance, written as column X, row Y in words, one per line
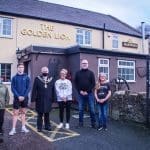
column 84, row 63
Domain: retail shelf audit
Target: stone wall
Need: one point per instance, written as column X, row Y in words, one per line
column 126, row 106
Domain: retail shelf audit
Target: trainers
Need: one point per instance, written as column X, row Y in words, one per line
column 100, row 128
column 12, row 132
column 1, row 132
column 105, row 129
column 67, row 126
column 60, row 125
column 24, row 129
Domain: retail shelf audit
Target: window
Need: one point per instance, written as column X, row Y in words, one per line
column 126, row 70
column 5, row 27
column 83, row 37
column 5, row 72
column 103, row 66
column 115, row 41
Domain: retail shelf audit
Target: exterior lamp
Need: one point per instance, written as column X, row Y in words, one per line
column 18, row 53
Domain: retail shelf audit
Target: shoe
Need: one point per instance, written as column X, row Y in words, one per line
column 1, row 132
column 93, row 126
column 1, row 140
column 80, row 125
column 24, row 129
column 48, row 129
column 39, row 130
column 100, row 128
column 105, row 129
column 67, row 126
column 60, row 125
column 12, row 132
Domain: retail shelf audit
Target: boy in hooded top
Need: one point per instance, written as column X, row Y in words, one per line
column 20, row 87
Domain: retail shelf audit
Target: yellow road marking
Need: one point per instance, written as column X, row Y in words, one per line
column 52, row 138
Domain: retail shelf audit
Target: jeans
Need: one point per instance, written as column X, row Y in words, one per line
column 102, row 114
column 82, row 100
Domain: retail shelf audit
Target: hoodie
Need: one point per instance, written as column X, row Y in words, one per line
column 20, row 85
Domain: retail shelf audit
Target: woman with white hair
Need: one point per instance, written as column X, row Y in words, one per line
column 63, row 88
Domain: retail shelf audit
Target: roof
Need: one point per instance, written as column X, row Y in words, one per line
column 64, row 14
column 78, row 49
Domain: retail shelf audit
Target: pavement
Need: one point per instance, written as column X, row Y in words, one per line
column 120, row 135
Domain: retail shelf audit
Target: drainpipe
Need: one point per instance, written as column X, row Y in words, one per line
column 143, row 35
column 103, row 35
column 147, row 90
column 147, row 75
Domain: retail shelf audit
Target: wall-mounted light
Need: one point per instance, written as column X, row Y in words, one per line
column 18, row 53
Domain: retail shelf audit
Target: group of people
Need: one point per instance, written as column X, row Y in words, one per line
column 43, row 94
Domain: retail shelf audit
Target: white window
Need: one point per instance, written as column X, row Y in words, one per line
column 115, row 41
column 103, row 67
column 5, row 27
column 126, row 70
column 83, row 37
column 5, row 72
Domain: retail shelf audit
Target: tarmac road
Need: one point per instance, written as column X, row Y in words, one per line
column 120, row 136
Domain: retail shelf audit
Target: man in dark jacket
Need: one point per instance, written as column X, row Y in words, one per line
column 85, row 83
column 20, row 86
column 42, row 95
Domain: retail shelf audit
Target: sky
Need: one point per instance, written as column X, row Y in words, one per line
column 132, row 12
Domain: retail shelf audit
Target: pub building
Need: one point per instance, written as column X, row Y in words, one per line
column 45, row 34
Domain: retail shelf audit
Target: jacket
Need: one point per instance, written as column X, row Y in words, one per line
column 20, row 85
column 4, row 96
column 85, row 80
column 43, row 94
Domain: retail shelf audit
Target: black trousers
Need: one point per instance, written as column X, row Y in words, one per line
column 2, row 112
column 40, row 120
column 62, row 105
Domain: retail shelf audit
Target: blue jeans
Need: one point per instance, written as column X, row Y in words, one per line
column 82, row 100
column 102, row 114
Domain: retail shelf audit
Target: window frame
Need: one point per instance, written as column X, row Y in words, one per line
column 127, row 67
column 104, row 65
column 5, row 71
column 83, row 34
column 2, row 27
column 114, row 39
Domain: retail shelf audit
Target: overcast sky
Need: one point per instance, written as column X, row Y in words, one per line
column 132, row 12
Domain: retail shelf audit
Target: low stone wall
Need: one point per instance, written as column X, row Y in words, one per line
column 126, row 106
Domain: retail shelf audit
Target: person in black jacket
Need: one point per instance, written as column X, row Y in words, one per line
column 85, row 83
column 20, row 86
column 42, row 95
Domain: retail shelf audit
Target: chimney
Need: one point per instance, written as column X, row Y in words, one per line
column 143, row 35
